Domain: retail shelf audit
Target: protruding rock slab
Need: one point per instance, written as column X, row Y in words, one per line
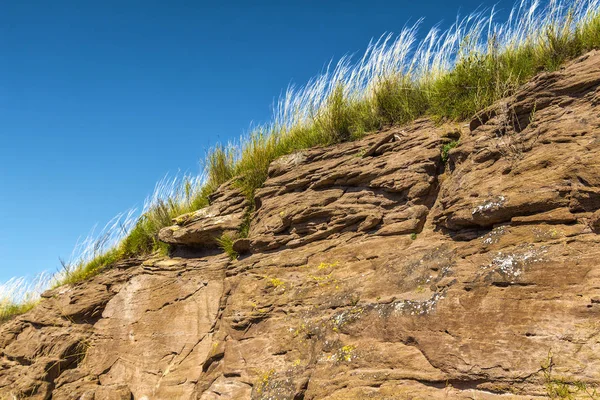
column 204, row 227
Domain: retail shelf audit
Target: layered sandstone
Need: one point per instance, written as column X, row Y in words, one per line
column 373, row 270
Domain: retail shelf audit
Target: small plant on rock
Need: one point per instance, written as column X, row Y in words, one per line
column 446, row 150
column 226, row 243
column 560, row 388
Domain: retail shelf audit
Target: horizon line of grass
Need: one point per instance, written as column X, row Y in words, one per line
column 19, row 295
column 448, row 75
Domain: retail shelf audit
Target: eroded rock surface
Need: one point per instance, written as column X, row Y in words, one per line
column 374, row 271
column 203, row 228
column 321, row 193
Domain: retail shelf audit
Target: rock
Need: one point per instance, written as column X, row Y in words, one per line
column 595, row 221
column 241, row 246
column 538, row 166
column 556, row 216
column 286, row 163
column 204, row 227
column 389, row 276
column 330, row 191
column 203, row 232
column 119, row 392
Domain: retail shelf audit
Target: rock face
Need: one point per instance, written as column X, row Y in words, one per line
column 367, row 186
column 203, row 228
column 374, row 270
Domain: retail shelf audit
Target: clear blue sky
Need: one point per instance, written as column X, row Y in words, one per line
column 100, row 99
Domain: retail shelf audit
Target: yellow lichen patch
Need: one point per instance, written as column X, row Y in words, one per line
column 275, row 283
column 554, row 233
column 325, row 265
column 319, row 279
column 302, row 329
column 263, row 381
column 346, row 353
column 323, row 280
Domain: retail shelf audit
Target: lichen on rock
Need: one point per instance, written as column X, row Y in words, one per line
column 384, row 275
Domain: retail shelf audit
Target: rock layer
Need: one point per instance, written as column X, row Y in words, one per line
column 203, row 228
column 374, row 270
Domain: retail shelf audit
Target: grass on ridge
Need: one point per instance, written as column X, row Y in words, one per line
column 484, row 70
column 10, row 309
column 448, row 75
column 19, row 295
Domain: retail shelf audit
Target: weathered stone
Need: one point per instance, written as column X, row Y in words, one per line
column 204, row 227
column 546, row 155
column 333, row 190
column 204, row 232
column 496, row 297
column 595, row 221
column 242, row 245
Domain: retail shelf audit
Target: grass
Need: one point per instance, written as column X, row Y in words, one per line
column 446, row 150
column 563, row 389
column 225, row 242
column 19, row 295
column 448, row 75
column 10, row 309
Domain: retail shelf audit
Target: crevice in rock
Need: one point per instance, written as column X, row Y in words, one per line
column 215, row 358
column 191, row 252
column 177, row 300
column 507, row 284
column 460, row 384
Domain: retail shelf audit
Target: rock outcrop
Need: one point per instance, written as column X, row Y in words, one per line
column 203, row 228
column 373, row 270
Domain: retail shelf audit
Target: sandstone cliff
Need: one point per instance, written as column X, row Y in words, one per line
column 377, row 269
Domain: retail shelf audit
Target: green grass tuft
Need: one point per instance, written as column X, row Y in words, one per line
column 398, row 100
column 226, row 244
column 9, row 310
column 446, row 150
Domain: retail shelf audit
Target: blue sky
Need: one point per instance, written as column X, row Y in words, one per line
column 100, row 99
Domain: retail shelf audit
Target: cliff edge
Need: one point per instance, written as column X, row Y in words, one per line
column 424, row 261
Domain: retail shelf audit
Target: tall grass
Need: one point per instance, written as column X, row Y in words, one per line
column 131, row 234
column 19, row 295
column 447, row 75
